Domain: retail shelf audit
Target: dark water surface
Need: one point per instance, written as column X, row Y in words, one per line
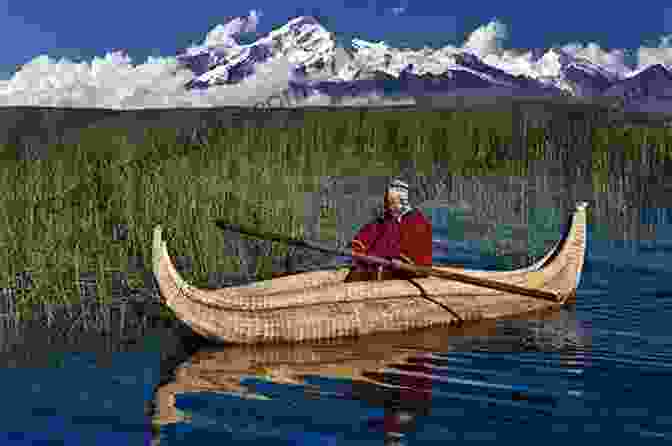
column 598, row 370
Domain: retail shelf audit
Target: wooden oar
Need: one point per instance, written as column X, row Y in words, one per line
column 418, row 269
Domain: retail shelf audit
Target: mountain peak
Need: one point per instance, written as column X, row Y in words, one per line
column 302, row 40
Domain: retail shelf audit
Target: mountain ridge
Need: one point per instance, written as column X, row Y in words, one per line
column 326, row 73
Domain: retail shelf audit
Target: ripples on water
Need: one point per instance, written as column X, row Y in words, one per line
column 598, row 371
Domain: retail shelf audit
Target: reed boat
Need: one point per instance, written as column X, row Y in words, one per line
column 320, row 305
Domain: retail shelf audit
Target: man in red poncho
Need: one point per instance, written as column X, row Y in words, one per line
column 402, row 232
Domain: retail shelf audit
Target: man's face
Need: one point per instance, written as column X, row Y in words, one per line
column 392, row 200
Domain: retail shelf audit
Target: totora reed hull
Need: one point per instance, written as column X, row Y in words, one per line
column 319, row 305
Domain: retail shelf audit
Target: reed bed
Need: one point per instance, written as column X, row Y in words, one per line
column 66, row 324
column 615, row 150
column 91, row 207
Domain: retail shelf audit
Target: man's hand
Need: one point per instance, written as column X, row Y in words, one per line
column 406, row 259
column 358, row 248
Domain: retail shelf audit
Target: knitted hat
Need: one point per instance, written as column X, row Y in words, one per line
column 400, row 187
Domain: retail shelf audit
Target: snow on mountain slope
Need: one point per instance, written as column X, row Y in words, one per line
column 368, row 69
column 303, row 40
column 303, row 63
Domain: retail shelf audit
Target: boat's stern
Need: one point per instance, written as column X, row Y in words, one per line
column 581, row 208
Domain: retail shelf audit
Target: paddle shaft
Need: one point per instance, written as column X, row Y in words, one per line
column 428, row 270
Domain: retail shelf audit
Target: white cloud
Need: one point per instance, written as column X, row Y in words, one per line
column 224, row 34
column 661, row 55
column 487, row 42
column 113, row 81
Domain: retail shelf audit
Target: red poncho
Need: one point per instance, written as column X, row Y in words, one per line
column 387, row 237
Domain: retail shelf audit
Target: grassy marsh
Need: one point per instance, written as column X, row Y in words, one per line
column 59, row 216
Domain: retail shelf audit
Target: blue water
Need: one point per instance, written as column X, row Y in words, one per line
column 599, row 373
column 82, row 398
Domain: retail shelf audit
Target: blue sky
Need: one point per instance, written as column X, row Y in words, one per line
column 82, row 29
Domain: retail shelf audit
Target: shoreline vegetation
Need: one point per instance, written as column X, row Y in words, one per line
column 89, row 208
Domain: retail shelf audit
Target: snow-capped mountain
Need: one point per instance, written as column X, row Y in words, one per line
column 576, row 75
column 322, row 68
column 303, row 40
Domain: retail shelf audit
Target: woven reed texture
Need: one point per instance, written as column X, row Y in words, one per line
column 319, row 305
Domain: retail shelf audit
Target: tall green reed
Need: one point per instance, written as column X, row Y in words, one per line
column 57, row 215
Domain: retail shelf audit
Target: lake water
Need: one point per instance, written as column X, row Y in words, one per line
column 598, row 370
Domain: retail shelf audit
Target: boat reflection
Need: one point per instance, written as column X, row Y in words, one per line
column 391, row 371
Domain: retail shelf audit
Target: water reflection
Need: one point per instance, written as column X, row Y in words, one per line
column 392, row 380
